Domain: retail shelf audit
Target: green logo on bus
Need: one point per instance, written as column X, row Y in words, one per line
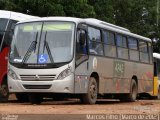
column 119, row 68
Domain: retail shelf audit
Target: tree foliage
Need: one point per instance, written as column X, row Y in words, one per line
column 139, row 16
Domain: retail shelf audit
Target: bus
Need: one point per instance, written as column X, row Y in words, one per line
column 83, row 58
column 156, row 57
column 8, row 19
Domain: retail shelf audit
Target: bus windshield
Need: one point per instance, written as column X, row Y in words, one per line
column 42, row 43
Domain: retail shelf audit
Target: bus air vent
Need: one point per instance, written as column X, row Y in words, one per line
column 37, row 86
column 37, row 77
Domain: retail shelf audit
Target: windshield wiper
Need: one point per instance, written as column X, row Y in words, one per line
column 30, row 49
column 47, row 48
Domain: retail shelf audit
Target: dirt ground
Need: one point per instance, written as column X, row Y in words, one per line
column 72, row 109
column 73, row 106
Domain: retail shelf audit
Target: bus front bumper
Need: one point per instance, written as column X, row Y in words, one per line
column 65, row 85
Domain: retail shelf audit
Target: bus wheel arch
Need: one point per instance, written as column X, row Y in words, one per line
column 91, row 96
column 96, row 76
column 134, row 77
column 4, row 91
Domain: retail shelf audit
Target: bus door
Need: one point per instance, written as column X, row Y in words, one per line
column 81, row 45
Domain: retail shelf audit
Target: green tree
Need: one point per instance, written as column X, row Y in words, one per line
column 78, row 8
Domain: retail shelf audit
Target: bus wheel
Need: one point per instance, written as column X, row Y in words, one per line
column 158, row 93
column 133, row 92
column 22, row 97
column 4, row 92
column 35, row 98
column 91, row 96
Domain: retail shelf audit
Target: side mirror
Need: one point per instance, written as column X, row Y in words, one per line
column 82, row 38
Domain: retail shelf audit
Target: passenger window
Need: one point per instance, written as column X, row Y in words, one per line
column 133, row 49
column 132, row 43
column 109, row 44
column 94, row 34
column 121, row 43
column 108, row 38
column 95, row 42
column 3, row 24
column 143, row 48
column 9, row 34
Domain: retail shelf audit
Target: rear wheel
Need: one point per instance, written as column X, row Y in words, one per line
column 133, row 92
column 22, row 97
column 91, row 96
column 158, row 93
column 35, row 98
column 131, row 97
column 4, row 91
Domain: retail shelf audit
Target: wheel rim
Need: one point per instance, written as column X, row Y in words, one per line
column 93, row 91
column 4, row 90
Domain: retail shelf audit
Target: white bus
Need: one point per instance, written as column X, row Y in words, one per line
column 85, row 58
column 8, row 19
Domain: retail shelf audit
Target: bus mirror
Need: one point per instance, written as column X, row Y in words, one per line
column 82, row 38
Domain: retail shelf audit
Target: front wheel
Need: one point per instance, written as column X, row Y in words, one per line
column 4, row 92
column 91, row 96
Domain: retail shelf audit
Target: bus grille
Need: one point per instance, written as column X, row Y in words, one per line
column 37, row 77
column 37, row 86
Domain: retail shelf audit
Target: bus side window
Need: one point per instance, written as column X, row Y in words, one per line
column 144, row 55
column 95, row 41
column 81, row 42
column 3, row 24
column 9, row 34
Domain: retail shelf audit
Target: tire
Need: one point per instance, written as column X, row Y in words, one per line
column 158, row 97
column 4, row 92
column 133, row 91
column 35, row 98
column 132, row 96
column 22, row 97
column 91, row 96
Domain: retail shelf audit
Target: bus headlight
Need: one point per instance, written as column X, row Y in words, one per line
column 64, row 73
column 12, row 74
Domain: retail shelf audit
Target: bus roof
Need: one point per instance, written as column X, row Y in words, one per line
column 93, row 22
column 156, row 55
column 15, row 15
